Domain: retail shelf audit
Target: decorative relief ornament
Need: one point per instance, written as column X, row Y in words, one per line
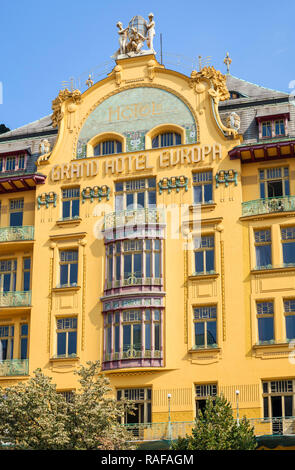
column 89, row 82
column 64, row 95
column 132, row 38
column 97, row 192
column 44, row 146
column 233, row 121
column 229, row 176
column 175, row 182
column 46, row 198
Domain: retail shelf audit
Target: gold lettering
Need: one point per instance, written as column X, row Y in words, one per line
column 94, row 167
column 216, row 151
column 138, row 164
column 55, row 173
column 65, row 170
column 196, row 151
column 174, row 157
column 119, row 164
column 129, row 158
column 111, row 112
column 130, row 112
column 206, row 149
column 109, row 165
column 185, row 155
column 75, row 169
column 164, row 159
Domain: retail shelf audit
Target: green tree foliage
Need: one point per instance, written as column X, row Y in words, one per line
column 3, row 129
column 217, row 429
column 34, row 415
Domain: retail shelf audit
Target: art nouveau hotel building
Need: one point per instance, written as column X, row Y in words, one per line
column 149, row 224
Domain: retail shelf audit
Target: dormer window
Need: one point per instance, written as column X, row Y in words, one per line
column 9, row 163
column 273, row 126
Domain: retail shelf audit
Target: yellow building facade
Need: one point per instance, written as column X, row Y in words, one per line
column 152, row 250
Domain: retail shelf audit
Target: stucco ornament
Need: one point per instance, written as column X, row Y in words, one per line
column 44, row 146
column 233, row 121
column 133, row 37
column 74, row 97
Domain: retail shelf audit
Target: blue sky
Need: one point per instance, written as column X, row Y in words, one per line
column 46, row 43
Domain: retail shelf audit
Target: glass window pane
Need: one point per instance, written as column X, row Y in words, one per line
column 209, row 260
column 72, row 345
column 290, row 326
column 63, row 274
column 199, row 334
column 138, row 265
column 66, row 209
column 140, row 200
column 119, row 202
column 289, row 252
column 75, row 207
column 198, row 194
column 211, row 332
column 265, row 329
column 126, row 337
column 263, row 255
column 157, row 336
column 137, row 336
column 288, row 405
column 61, row 344
column 199, row 262
column 16, row 219
column 23, row 348
column 148, row 265
column 152, row 198
column 207, row 192
column 147, row 336
column 127, row 265
column 157, row 264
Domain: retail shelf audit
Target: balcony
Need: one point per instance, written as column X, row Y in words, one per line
column 268, row 205
column 132, row 357
column 133, row 217
column 13, row 234
column 134, row 280
column 11, row 367
column 172, row 430
column 15, row 299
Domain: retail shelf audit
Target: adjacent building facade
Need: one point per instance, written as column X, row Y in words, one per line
column 149, row 224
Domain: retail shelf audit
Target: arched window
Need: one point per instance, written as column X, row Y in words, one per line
column 166, row 139
column 107, row 147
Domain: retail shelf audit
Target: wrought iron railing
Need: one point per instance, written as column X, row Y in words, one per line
column 12, row 234
column 14, row 367
column 133, row 217
column 132, row 353
column 133, row 280
column 173, row 430
column 269, row 205
column 15, row 299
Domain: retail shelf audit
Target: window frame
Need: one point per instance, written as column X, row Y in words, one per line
column 210, row 316
column 69, row 263
column 68, row 203
column 203, row 182
column 66, row 330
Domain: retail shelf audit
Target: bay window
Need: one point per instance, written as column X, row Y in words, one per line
column 131, row 334
column 133, row 261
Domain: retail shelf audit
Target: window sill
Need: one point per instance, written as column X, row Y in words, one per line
column 196, row 276
column 272, row 350
column 67, row 222
column 273, row 269
column 271, row 345
column 204, row 206
column 64, row 358
column 66, row 288
column 204, row 349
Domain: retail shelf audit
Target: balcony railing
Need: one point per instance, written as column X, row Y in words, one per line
column 12, row 234
column 133, row 280
column 268, row 205
column 133, row 217
column 15, row 299
column 132, row 353
column 173, row 430
column 14, row 367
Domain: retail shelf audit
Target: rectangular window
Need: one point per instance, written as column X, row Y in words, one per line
column 66, row 337
column 263, row 248
column 16, row 208
column 8, row 275
column 70, row 203
column 10, row 163
column 205, row 326
column 274, row 182
column 68, row 268
column 204, row 254
column 142, row 401
column 26, row 274
column 266, row 128
column 278, row 401
column 289, row 309
column 202, row 186
column 265, row 317
column 135, row 194
column 288, row 242
column 280, row 127
column 6, row 342
column 24, row 335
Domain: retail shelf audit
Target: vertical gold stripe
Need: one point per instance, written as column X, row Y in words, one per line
column 83, row 300
column 50, row 301
column 223, row 290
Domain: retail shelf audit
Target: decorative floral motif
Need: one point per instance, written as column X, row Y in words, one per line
column 47, row 198
column 226, row 177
